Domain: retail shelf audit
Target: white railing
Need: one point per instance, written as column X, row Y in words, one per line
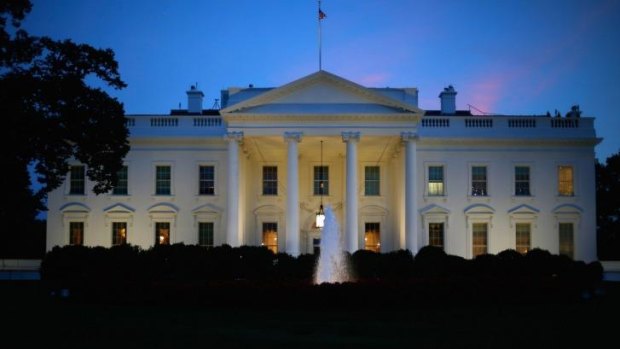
column 522, row 123
column 436, row 122
column 478, row 123
column 164, row 122
column 207, row 122
column 507, row 126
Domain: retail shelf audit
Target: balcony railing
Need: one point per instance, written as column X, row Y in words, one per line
column 506, row 126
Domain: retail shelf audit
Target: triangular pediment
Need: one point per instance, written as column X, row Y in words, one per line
column 321, row 93
column 434, row 209
column 119, row 208
column 523, row 210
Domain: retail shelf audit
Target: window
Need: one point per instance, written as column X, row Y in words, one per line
column 270, row 236
column 435, row 235
column 162, row 233
column 522, row 181
column 77, row 180
column 479, row 238
column 205, row 234
column 316, row 245
column 163, row 177
column 372, row 237
column 479, row 181
column 435, row 181
column 372, row 176
column 523, row 237
column 121, row 182
column 270, row 180
column 565, row 179
column 206, row 185
column 119, row 233
column 321, row 180
column 76, row 233
column 567, row 246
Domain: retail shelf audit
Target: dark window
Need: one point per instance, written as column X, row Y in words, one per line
column 270, row 180
column 77, row 180
column 163, row 178
column 479, row 181
column 522, row 181
column 321, row 180
column 207, row 180
column 121, row 184
column 372, row 180
column 205, row 234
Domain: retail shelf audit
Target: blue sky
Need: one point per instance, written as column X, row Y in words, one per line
column 507, row 57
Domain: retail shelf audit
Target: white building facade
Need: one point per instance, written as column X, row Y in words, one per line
column 397, row 177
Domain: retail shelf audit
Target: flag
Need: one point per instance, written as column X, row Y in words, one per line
column 321, row 14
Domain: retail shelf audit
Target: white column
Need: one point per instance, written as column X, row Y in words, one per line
column 233, row 234
column 351, row 224
column 292, row 197
column 411, row 210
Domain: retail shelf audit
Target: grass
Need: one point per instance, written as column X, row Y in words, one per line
column 31, row 318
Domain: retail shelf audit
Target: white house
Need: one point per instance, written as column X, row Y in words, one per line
column 398, row 177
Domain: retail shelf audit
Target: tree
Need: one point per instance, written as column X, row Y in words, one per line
column 608, row 208
column 51, row 115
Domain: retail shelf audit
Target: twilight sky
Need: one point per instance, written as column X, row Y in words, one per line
column 507, row 57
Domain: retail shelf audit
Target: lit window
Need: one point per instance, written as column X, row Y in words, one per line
column 162, row 233
column 372, row 176
column 567, row 245
column 479, row 238
column 76, row 233
column 522, row 181
column 119, row 233
column 206, row 185
column 372, row 237
column 163, row 178
column 565, row 179
column 270, row 180
column 479, row 181
column 321, row 180
column 121, row 183
column 77, row 180
column 205, row 234
column 270, row 236
column 435, row 234
column 523, row 237
column 435, row 181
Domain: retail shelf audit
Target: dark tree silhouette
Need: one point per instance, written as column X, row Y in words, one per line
column 51, row 114
column 608, row 208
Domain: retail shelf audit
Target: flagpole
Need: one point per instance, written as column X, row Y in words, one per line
column 320, row 38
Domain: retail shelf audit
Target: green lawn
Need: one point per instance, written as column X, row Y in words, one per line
column 31, row 318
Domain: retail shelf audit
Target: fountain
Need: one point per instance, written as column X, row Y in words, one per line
column 332, row 265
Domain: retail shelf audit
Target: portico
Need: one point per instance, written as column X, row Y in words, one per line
column 283, row 128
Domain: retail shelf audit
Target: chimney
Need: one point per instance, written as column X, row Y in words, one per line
column 448, row 101
column 194, row 100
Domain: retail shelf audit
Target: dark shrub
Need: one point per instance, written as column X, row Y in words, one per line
column 365, row 264
column 397, row 264
column 430, row 261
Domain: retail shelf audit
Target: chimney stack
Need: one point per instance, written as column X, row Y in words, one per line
column 194, row 100
column 448, row 101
